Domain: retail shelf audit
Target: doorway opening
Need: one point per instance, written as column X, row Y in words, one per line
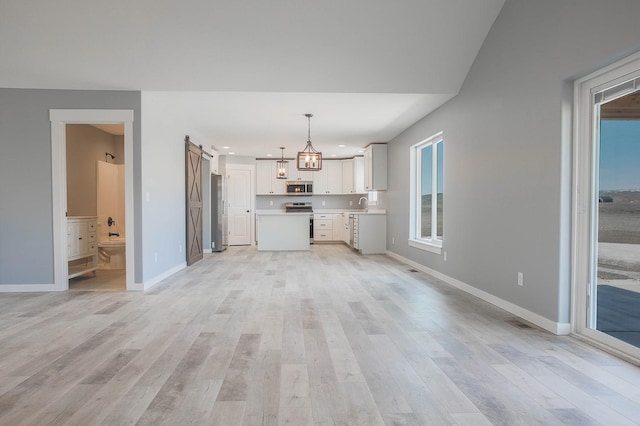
column 75, row 199
column 606, row 247
column 96, row 207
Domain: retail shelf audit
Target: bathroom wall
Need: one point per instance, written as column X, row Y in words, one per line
column 86, row 145
column 110, row 199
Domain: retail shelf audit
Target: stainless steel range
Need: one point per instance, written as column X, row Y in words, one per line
column 302, row 208
column 298, row 207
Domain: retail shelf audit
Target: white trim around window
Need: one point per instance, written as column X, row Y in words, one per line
column 433, row 243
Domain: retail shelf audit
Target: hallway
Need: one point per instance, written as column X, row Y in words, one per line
column 326, row 337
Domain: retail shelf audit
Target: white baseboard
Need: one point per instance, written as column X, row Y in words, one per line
column 155, row 280
column 27, row 288
column 542, row 322
column 136, row 287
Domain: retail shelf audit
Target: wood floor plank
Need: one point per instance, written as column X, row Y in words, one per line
column 323, row 337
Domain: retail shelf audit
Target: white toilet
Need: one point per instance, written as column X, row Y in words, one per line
column 111, row 253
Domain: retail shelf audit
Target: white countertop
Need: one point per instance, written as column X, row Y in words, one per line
column 276, row 212
column 354, row 211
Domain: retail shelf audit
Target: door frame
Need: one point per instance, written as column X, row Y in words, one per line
column 584, row 181
column 59, row 118
column 252, row 195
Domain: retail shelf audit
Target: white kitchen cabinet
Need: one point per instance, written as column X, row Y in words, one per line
column 338, row 226
column 347, row 176
column 82, row 244
column 375, row 167
column 353, row 176
column 370, row 233
column 346, row 229
column 266, row 181
column 358, row 175
column 323, row 227
column 328, row 180
column 214, row 162
column 302, row 175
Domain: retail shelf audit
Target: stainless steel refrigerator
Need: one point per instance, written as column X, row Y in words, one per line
column 218, row 218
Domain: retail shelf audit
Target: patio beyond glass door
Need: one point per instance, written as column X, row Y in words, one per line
column 614, row 302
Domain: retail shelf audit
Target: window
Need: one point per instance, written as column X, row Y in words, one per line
column 427, row 159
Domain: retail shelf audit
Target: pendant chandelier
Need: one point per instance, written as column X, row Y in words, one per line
column 282, row 166
column 309, row 159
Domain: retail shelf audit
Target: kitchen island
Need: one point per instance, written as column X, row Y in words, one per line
column 281, row 231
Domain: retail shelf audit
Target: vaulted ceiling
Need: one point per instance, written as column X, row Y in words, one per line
column 243, row 72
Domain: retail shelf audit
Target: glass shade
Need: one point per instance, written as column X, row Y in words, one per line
column 282, row 168
column 309, row 159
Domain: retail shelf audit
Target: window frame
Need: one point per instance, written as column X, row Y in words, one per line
column 433, row 244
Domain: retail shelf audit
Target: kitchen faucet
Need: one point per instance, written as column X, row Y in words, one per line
column 363, row 198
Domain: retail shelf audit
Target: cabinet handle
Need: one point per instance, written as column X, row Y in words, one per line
column 79, row 238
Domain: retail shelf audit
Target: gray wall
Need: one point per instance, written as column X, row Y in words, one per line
column 507, row 158
column 508, row 151
column 26, row 233
column 86, row 145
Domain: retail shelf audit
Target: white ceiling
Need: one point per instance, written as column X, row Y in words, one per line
column 244, row 73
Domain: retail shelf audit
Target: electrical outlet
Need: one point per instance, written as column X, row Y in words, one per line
column 393, row 241
column 520, row 279
column 323, row 203
column 180, row 248
column 270, row 202
column 351, row 202
column 155, row 256
column 148, row 196
column 445, row 256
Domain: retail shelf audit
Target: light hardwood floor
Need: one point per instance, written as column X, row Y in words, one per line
column 326, row 337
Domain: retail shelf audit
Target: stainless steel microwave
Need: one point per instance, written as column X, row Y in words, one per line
column 299, row 187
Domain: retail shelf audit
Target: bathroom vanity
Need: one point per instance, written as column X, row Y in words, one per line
column 82, row 246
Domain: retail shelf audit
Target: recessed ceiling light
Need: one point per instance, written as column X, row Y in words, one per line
column 231, row 153
column 333, row 155
column 269, row 155
column 340, row 146
column 360, row 151
column 225, row 147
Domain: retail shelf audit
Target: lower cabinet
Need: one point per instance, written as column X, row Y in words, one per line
column 323, row 227
column 370, row 233
column 82, row 245
column 369, row 230
column 328, row 227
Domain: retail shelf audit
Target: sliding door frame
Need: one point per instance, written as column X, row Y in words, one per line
column 584, row 197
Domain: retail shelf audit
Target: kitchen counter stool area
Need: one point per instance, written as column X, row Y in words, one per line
column 281, row 231
column 278, row 230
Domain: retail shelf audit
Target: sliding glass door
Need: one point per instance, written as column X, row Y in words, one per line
column 606, row 210
column 615, row 289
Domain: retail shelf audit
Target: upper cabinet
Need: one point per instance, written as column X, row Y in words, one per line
column 214, row 162
column 375, row 167
column 329, row 179
column 266, row 181
column 295, row 174
column 353, row 176
column 336, row 177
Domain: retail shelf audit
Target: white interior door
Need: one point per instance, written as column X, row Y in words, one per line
column 240, row 198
